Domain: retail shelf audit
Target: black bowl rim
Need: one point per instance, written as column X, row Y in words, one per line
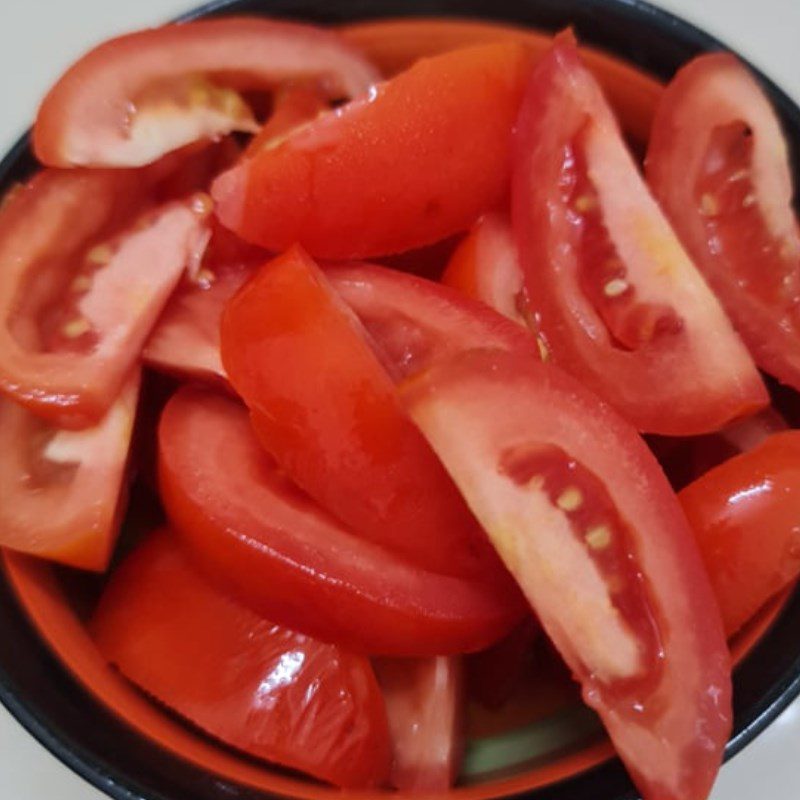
column 115, row 783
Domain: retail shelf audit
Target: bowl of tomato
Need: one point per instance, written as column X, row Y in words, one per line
column 401, row 401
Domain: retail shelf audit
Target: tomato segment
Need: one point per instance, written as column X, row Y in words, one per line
column 745, row 516
column 424, row 704
column 618, row 301
column 264, row 689
column 718, row 163
column 78, row 295
column 124, row 104
column 259, row 536
column 62, row 489
column 643, row 640
column 414, row 322
column 376, row 176
column 339, row 429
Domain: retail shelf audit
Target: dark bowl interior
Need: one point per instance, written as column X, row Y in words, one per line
column 43, row 696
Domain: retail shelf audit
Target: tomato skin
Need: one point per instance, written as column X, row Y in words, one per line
column 686, row 687
column 586, row 318
column 85, row 119
column 70, row 518
column 337, row 430
column 270, row 545
column 738, row 249
column 745, row 516
column 46, row 229
column 395, row 44
column 424, row 704
column 264, row 689
column 384, row 168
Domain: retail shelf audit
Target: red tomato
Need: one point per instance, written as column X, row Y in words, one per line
column 746, row 516
column 619, row 302
column 718, row 164
column 264, row 689
column 424, row 704
column 414, row 322
column 294, row 105
column 327, row 410
column 263, row 539
column 124, row 104
column 495, row 674
column 61, row 490
column 584, row 518
column 486, row 267
column 418, row 160
column 82, row 287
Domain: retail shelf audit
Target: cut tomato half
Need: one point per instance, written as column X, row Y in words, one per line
column 585, row 520
column 745, row 516
column 425, row 704
column 617, row 299
column 258, row 535
column 63, row 491
column 326, row 409
column 82, row 287
column 264, row 689
column 377, row 176
column 718, row 164
column 124, row 104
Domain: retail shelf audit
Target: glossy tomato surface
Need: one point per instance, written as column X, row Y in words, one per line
column 269, row 691
column 259, row 536
column 376, row 176
column 745, row 514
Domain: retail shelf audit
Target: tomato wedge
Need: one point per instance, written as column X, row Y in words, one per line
column 261, row 688
column 258, row 535
column 746, row 516
column 424, row 704
column 62, row 490
column 618, row 301
column 414, row 322
column 78, row 293
column 377, row 176
column 583, row 517
column 486, row 267
column 327, row 410
column 124, row 104
column 718, row 164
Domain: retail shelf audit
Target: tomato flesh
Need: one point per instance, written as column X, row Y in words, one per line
column 327, row 411
column 745, row 516
column 718, row 163
column 424, row 704
column 124, row 105
column 617, row 300
column 264, row 540
column 261, row 688
column 376, row 176
column 63, row 491
column 639, row 630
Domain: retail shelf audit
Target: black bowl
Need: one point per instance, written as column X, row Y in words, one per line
column 87, row 737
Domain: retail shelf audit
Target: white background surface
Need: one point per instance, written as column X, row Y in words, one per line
column 38, row 38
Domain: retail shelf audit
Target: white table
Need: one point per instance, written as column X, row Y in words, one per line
column 39, row 38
